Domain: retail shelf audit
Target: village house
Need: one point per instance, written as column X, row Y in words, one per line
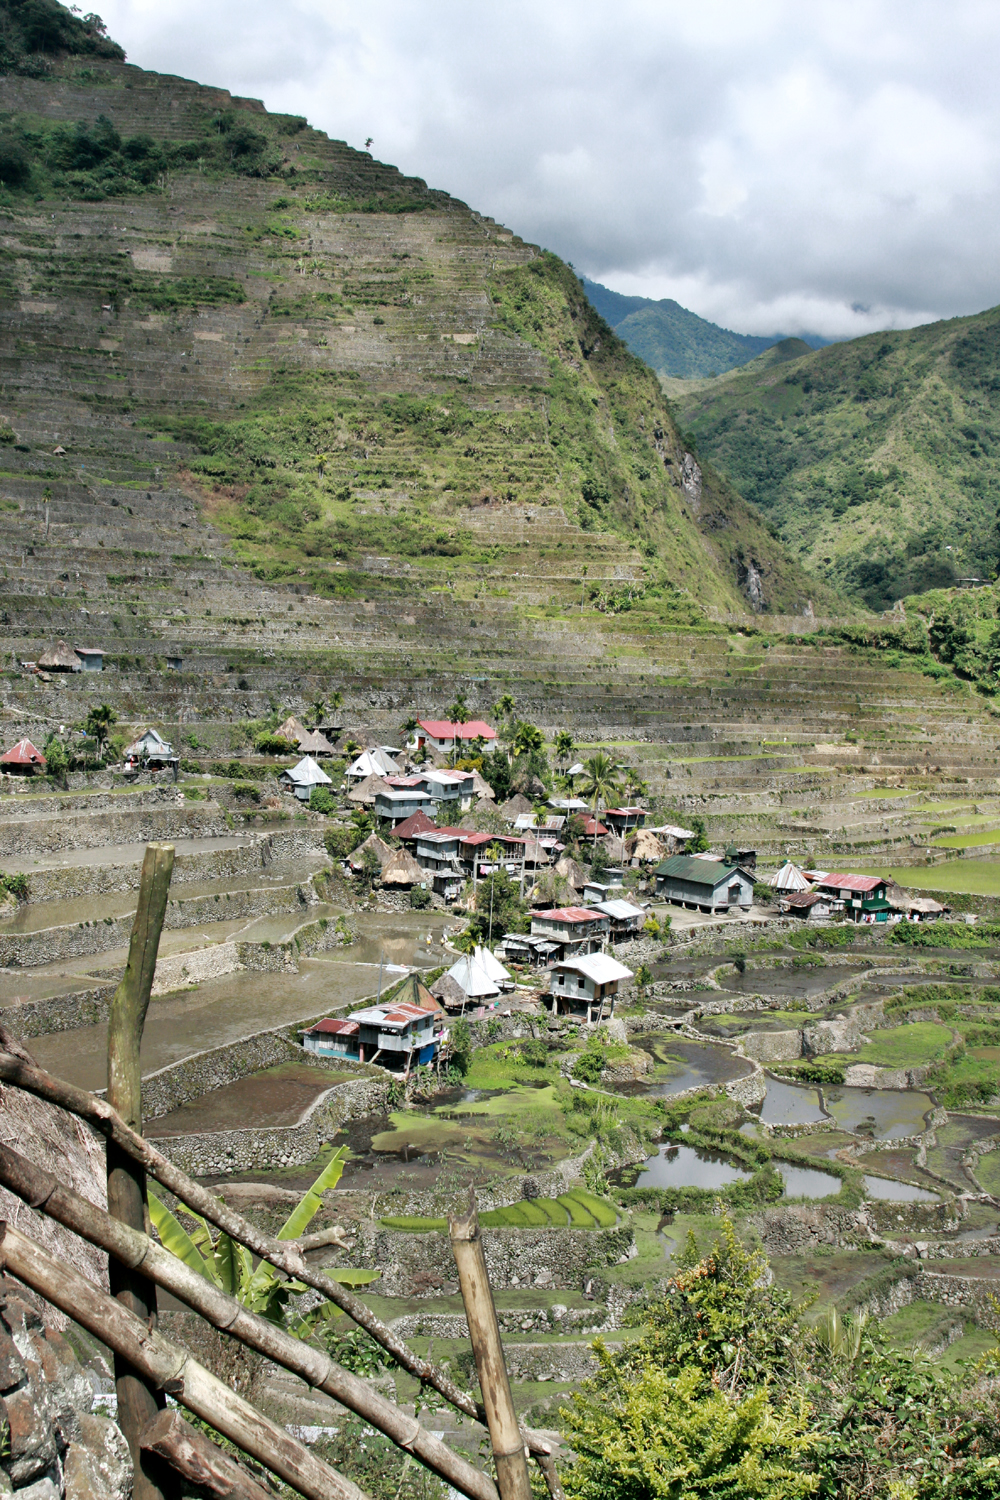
column 91, row 658
column 673, row 836
column 333, row 1039
column 575, row 929
column 374, row 762
column 861, row 897
column 623, row 820
column 442, row 735
column 603, row 890
column 704, row 884
column 477, row 979
column 626, row 919
column 150, row 750
column 301, row 778
column 315, row 744
column 811, row 906
column 397, row 1034
column 394, row 804
column 437, row 852
column 586, row 986
column 23, row 759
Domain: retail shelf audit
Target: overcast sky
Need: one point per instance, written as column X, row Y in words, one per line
column 777, row 166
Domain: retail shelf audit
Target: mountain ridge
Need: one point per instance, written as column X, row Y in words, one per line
column 677, row 343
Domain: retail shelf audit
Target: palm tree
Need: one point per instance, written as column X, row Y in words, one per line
column 459, row 710
column 504, row 706
column 563, row 745
column 526, row 738
column 601, row 781
column 99, row 724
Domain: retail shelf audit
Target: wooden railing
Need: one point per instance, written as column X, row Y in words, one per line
column 150, row 1367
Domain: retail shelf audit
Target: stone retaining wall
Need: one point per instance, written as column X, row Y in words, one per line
column 60, row 1013
column 512, row 1321
column 79, row 940
column 422, row 1265
column 51, row 835
column 977, row 1294
column 268, row 1147
column 72, row 881
column 771, row 1046
column 178, row 1083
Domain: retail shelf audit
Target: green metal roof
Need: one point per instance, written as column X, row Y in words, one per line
column 698, row 871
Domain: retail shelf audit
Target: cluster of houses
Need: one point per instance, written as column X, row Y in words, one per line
column 819, row 895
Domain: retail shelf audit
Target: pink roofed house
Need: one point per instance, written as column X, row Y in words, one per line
column 442, row 734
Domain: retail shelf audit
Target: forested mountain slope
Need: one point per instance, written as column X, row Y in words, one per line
column 878, row 460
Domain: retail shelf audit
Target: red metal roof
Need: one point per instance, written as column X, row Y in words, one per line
column 572, row 914
column 22, row 754
column 417, row 822
column 334, row 1028
column 852, row 882
column 402, row 780
column 398, row 1015
column 444, row 729
column 592, row 827
column 622, row 811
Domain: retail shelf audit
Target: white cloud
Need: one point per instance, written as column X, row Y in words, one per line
column 771, row 165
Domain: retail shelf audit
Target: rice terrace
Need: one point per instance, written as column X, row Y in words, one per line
column 555, row 861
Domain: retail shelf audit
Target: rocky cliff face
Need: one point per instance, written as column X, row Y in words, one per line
column 57, row 1448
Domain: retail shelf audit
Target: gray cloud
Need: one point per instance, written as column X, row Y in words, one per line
column 773, row 166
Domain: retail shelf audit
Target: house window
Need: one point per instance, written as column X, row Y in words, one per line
column 580, row 982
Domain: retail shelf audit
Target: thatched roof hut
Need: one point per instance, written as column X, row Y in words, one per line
column 381, row 851
column 364, row 793
column 59, row 658
column 482, row 788
column 403, row 869
column 534, row 854
column 552, row 890
column 573, row 871
column 449, row 992
column 644, row 848
column 292, row 730
column 516, row 805
column 315, row 744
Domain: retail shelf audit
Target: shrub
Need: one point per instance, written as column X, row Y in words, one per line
column 340, row 842
column 273, row 744
column 321, row 800
column 246, row 790
column 420, row 899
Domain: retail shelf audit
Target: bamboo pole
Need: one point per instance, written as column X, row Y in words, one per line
column 197, row 1460
column 138, row 1402
column 138, row 1252
column 285, row 1255
column 506, row 1438
column 170, row 1368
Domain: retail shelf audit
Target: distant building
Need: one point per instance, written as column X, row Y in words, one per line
column 333, row 1039
column 394, row 804
column 315, row 744
column 91, row 658
column 574, row 929
column 587, row 983
column 623, row 820
column 625, row 918
column 150, row 750
column 374, row 762
column 809, row 905
column 59, row 658
column 396, row 1034
column 303, row 777
column 703, row 884
column 23, row 759
column 442, row 734
column 861, row 897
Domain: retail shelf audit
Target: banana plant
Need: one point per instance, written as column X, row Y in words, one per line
column 230, row 1266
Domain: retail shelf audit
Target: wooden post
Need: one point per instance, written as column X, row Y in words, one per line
column 138, row 1400
column 484, row 1331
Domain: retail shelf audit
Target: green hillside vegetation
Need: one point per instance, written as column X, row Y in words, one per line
column 675, row 341
column 318, row 471
column 876, row 460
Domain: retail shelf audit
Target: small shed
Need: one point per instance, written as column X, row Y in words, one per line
column 332, row 1038
column 303, row 777
column 91, row 658
column 150, row 749
column 472, row 979
column 451, row 995
column 315, row 744
column 402, row 869
column 809, row 905
column 23, row 759
column 590, row 980
column 626, row 919
column 59, row 658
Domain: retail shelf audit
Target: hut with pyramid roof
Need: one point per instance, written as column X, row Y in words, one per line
column 403, row 870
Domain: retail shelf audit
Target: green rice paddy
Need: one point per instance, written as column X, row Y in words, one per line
column 974, row 877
